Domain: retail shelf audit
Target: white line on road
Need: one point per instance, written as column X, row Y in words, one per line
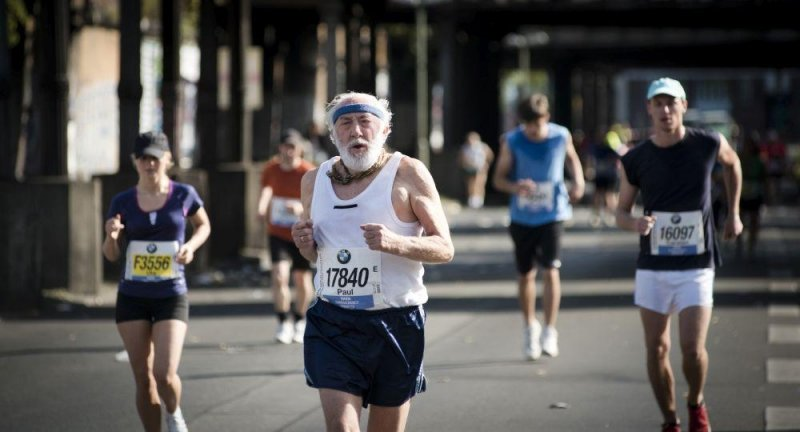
column 784, row 334
column 782, row 418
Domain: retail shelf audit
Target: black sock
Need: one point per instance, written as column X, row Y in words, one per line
column 282, row 316
column 297, row 316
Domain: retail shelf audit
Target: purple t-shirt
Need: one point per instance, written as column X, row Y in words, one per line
column 167, row 224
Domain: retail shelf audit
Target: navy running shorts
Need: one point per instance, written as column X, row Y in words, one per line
column 540, row 244
column 373, row 354
column 131, row 308
column 281, row 249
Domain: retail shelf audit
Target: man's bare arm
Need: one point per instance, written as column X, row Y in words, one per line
column 303, row 230
column 435, row 245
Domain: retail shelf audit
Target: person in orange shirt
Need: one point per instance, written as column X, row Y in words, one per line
column 279, row 206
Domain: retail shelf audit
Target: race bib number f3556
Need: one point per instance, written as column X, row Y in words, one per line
column 679, row 233
column 350, row 278
column 151, row 261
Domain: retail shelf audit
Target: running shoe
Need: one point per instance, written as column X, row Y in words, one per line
column 299, row 331
column 550, row 341
column 285, row 333
column 122, row 356
column 532, row 348
column 698, row 418
column 671, row 427
column 175, row 422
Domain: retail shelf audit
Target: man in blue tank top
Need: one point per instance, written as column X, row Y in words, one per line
column 530, row 167
column 678, row 252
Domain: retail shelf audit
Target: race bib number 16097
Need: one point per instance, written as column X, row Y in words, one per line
column 679, row 233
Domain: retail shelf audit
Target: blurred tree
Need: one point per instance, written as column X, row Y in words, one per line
column 17, row 16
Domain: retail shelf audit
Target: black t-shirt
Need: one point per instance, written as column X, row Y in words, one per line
column 676, row 179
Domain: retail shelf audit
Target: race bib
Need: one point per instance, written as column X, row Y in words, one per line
column 151, row 261
column 541, row 199
column 350, row 278
column 281, row 213
column 678, row 233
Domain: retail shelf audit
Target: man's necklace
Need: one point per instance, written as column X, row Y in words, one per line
column 348, row 177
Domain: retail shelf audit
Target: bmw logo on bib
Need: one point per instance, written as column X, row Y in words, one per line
column 675, row 219
column 152, row 248
column 343, row 256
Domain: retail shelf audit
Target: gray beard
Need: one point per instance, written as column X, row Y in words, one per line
column 361, row 163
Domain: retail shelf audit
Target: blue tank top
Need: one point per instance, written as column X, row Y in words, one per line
column 166, row 224
column 676, row 179
column 543, row 162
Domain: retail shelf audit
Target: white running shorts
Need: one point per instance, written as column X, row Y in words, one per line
column 666, row 292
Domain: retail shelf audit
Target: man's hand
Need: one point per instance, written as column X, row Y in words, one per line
column 525, row 187
column 380, row 238
column 576, row 192
column 303, row 234
column 733, row 227
column 644, row 224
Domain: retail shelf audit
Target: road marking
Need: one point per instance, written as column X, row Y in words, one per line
column 783, row 371
column 784, row 334
column 782, row 418
column 783, row 311
column 787, row 286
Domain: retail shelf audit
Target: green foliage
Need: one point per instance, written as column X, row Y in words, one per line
column 190, row 19
column 190, row 15
column 17, row 16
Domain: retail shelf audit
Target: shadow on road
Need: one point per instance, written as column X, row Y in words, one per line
column 444, row 304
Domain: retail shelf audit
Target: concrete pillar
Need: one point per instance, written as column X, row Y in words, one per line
column 234, row 151
column 562, row 112
column 85, row 237
column 330, row 13
column 171, row 76
column 207, row 87
column 20, row 249
column 421, row 37
column 8, row 152
column 130, row 83
column 47, row 144
column 50, row 238
column 360, row 68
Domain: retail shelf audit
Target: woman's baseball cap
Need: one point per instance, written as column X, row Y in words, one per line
column 666, row 86
column 153, row 144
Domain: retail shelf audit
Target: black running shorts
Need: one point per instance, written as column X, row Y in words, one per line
column 281, row 249
column 540, row 244
column 152, row 309
column 373, row 354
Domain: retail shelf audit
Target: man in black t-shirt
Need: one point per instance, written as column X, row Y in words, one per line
column 678, row 253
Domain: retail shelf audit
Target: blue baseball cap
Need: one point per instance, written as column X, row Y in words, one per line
column 666, row 86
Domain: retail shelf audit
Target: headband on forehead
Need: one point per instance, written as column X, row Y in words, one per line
column 347, row 109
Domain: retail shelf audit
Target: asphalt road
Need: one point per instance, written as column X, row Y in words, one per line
column 58, row 370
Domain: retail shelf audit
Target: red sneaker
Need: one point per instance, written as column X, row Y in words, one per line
column 698, row 418
column 671, row 427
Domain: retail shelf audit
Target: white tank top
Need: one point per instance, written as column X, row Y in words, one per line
column 337, row 230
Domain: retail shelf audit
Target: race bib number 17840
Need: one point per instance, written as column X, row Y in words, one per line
column 350, row 277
